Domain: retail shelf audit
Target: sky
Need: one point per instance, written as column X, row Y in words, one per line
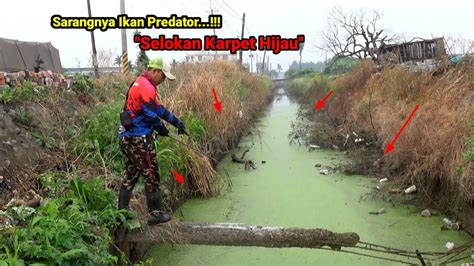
column 29, row 20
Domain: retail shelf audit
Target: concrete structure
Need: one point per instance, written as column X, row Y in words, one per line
column 209, row 56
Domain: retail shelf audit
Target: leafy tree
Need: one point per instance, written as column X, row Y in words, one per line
column 142, row 59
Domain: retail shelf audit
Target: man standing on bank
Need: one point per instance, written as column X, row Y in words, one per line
column 141, row 116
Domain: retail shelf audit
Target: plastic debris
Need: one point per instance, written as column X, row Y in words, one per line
column 313, row 147
column 383, row 180
column 450, row 225
column 410, row 190
column 324, row 171
column 241, row 114
column 449, row 245
column 380, row 211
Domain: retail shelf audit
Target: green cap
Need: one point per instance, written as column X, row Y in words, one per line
column 161, row 64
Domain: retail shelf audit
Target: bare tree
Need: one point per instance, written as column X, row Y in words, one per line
column 105, row 58
column 459, row 45
column 354, row 34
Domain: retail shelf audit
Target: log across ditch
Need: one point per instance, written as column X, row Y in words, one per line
column 231, row 234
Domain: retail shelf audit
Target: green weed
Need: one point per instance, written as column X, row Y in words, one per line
column 24, row 117
column 71, row 229
column 45, row 139
column 82, row 84
column 195, row 126
column 97, row 137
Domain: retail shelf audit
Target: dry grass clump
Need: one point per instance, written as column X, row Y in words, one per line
column 237, row 90
column 242, row 96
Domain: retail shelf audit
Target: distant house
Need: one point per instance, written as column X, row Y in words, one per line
column 209, row 56
column 414, row 50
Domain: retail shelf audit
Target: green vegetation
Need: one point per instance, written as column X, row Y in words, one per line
column 308, row 82
column 72, row 228
column 45, row 139
column 316, row 67
column 24, row 117
column 195, row 125
column 24, row 93
column 141, row 62
column 469, row 154
column 267, row 82
column 96, row 137
column 340, row 65
column 82, row 84
column 242, row 91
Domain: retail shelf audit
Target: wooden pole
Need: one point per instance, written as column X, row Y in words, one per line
column 94, row 51
column 251, row 63
column 241, row 37
column 125, row 65
column 213, row 29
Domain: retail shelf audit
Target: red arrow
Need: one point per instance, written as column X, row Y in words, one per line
column 179, row 177
column 320, row 103
column 390, row 147
column 217, row 104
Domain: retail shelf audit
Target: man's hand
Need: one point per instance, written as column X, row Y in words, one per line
column 182, row 130
column 162, row 131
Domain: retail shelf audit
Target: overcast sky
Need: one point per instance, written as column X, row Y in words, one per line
column 29, row 20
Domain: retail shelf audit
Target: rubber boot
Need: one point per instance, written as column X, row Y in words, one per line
column 124, row 200
column 153, row 201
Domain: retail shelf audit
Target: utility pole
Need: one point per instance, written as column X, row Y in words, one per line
column 125, row 65
column 241, row 37
column 213, row 29
column 94, row 51
column 301, row 57
column 263, row 62
column 301, row 66
column 256, row 64
column 251, row 62
column 268, row 64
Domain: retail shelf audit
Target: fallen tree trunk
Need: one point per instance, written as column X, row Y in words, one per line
column 225, row 234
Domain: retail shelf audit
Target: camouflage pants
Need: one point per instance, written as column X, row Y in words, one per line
column 140, row 159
